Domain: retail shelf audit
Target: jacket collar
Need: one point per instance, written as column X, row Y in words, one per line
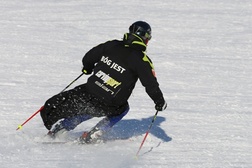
column 134, row 41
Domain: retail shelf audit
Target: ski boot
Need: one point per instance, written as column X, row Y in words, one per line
column 92, row 137
column 57, row 128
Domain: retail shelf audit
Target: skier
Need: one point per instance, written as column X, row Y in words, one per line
column 115, row 67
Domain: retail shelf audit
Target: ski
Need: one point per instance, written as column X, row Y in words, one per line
column 79, row 143
column 59, row 142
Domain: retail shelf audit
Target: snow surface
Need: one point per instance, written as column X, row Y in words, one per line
column 201, row 50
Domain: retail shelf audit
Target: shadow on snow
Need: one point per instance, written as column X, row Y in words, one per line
column 130, row 128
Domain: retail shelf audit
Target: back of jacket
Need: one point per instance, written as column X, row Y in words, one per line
column 117, row 65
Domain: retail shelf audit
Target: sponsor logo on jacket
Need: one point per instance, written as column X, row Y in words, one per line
column 107, row 79
column 108, row 83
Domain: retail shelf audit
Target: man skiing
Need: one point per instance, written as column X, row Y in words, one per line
column 115, row 67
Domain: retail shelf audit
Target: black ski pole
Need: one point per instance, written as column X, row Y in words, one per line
column 72, row 82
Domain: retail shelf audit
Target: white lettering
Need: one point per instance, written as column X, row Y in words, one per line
column 106, row 60
column 112, row 64
column 117, row 67
column 104, row 87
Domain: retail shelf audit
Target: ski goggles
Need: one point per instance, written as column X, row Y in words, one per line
column 144, row 34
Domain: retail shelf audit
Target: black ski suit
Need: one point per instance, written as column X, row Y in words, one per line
column 115, row 66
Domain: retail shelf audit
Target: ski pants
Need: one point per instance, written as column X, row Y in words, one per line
column 77, row 105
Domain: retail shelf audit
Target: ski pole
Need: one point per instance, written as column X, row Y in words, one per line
column 72, row 82
column 147, row 132
column 41, row 108
column 20, row 126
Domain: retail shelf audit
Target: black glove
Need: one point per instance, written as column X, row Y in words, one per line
column 161, row 106
column 86, row 71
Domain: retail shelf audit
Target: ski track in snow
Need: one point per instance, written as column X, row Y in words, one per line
column 201, row 51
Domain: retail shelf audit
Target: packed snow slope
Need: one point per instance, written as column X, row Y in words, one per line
column 202, row 53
